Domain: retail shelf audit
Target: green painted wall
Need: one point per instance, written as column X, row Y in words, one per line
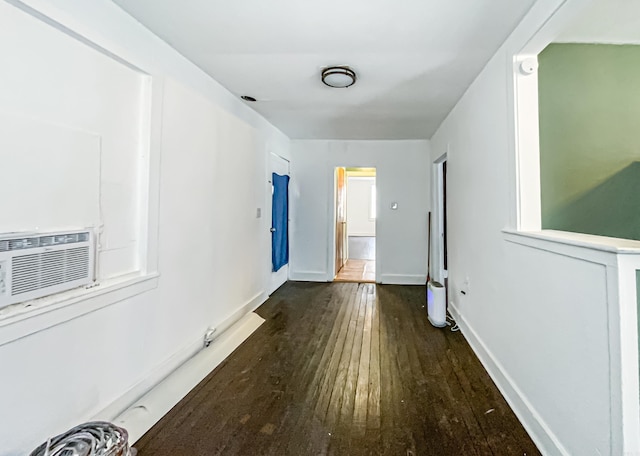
column 589, row 99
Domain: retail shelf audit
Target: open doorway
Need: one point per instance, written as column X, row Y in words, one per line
column 356, row 216
column 439, row 226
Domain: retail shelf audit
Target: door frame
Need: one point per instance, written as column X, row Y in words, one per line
column 345, row 246
column 439, row 273
column 331, row 217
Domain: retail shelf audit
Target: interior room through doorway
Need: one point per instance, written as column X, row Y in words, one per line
column 356, row 207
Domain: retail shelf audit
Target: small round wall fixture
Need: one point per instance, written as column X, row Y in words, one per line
column 339, row 77
column 248, row 98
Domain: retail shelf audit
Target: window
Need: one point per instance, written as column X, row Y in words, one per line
column 372, row 203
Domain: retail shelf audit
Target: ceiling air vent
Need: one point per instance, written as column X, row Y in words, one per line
column 39, row 265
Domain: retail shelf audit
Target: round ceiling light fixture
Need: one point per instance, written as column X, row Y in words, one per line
column 339, row 77
column 248, row 98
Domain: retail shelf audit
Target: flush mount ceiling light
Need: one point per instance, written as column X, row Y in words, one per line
column 339, row 77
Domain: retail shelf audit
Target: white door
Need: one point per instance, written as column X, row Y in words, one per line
column 279, row 166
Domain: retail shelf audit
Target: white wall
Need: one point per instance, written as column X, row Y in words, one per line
column 537, row 316
column 70, row 152
column 63, row 364
column 359, row 221
column 401, row 176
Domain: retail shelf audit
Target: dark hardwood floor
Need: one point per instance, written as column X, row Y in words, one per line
column 344, row 369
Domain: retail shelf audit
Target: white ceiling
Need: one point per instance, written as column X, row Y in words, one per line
column 414, row 58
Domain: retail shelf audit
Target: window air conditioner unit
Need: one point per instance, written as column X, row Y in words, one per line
column 37, row 265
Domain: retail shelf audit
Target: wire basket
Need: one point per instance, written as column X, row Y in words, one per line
column 96, row 438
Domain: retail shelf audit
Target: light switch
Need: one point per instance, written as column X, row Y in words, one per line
column 258, row 213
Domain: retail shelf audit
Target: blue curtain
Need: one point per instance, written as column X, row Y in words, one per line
column 279, row 217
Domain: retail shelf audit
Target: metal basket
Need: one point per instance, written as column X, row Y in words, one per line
column 96, row 438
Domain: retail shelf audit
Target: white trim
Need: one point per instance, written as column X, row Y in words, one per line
column 533, row 34
column 251, row 305
column 151, row 379
column 160, row 372
column 309, row 276
column 403, row 279
column 536, row 427
column 152, row 158
column 148, row 409
column 585, row 241
column 626, row 329
column 57, row 309
column 144, row 171
column 621, row 258
column 527, row 147
column 438, row 272
column 442, row 158
column 331, row 229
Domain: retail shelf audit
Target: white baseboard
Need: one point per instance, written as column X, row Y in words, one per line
column 536, row 427
column 144, row 413
column 308, row 276
column 180, row 358
column 154, row 377
column 403, row 279
column 249, row 306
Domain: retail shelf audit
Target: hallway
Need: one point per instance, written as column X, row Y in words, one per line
column 344, row 369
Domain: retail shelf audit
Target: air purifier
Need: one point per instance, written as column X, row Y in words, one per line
column 436, row 304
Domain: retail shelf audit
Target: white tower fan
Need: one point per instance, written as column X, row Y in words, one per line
column 436, row 304
column 436, row 294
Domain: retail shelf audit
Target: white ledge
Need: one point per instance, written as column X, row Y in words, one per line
column 25, row 319
column 587, row 241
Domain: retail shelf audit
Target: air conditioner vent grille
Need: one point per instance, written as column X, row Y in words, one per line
column 32, row 242
column 42, row 270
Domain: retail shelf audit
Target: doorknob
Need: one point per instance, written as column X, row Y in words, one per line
column 273, row 230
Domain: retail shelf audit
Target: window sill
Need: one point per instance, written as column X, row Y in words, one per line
column 34, row 316
column 585, row 241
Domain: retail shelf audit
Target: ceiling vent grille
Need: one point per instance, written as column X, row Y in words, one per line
column 35, row 266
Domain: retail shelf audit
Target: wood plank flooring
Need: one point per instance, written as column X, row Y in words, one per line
column 359, row 271
column 344, row 369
